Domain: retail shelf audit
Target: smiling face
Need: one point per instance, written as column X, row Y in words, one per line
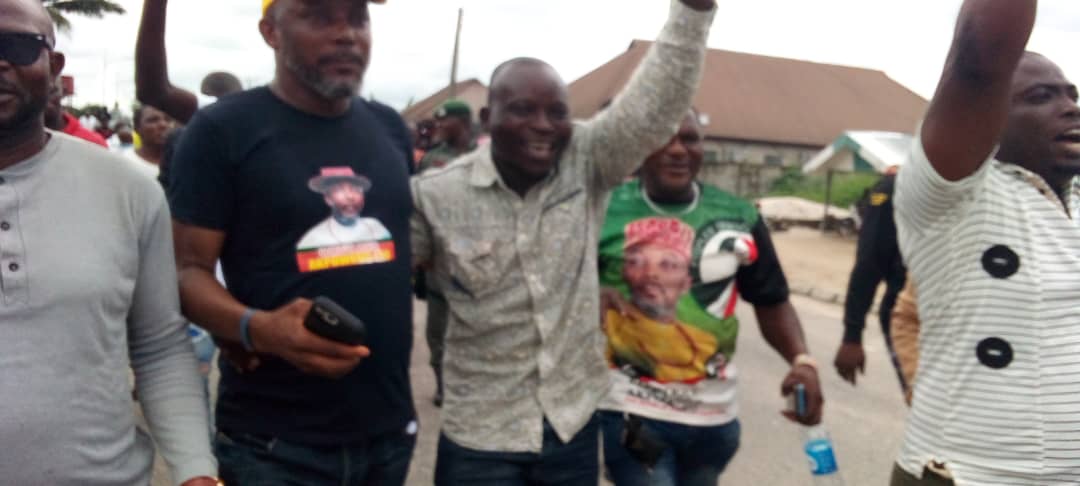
column 25, row 88
column 529, row 119
column 670, row 171
column 1042, row 131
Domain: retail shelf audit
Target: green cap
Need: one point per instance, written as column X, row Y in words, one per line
column 452, row 107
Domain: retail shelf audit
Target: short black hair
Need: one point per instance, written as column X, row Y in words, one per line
column 493, row 82
column 220, row 83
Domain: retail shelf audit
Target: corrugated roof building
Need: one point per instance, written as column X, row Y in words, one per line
column 762, row 113
column 471, row 91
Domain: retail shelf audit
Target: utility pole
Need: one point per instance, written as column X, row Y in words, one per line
column 454, row 63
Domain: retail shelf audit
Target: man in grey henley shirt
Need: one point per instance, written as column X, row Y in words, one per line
column 88, row 290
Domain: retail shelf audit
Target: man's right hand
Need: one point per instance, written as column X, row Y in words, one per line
column 282, row 333
column 849, row 359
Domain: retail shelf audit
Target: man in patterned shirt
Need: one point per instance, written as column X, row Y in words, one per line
column 510, row 236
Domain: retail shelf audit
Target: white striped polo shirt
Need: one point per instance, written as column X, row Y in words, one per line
column 996, row 262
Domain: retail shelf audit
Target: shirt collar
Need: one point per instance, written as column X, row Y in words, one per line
column 483, row 173
column 1040, row 184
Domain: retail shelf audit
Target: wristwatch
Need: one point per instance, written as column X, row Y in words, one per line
column 805, row 360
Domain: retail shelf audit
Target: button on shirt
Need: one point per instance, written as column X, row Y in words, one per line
column 996, row 261
column 88, row 291
column 520, row 273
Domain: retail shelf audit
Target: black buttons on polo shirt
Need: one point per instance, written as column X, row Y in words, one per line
column 5, row 226
column 1, row 181
column 994, row 352
column 1001, row 262
column 14, row 267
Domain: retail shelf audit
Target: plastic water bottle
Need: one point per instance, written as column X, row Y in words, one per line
column 818, row 448
column 204, row 349
column 204, row 355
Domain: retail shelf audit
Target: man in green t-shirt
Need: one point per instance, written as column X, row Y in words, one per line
column 675, row 256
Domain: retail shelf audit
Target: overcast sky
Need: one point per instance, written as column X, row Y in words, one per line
column 413, row 39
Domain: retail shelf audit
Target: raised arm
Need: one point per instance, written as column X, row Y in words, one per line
column 968, row 111
column 152, row 86
column 648, row 110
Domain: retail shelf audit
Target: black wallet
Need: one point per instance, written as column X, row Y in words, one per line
column 329, row 320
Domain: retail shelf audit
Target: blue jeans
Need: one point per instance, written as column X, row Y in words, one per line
column 695, row 456
column 251, row 460
column 559, row 464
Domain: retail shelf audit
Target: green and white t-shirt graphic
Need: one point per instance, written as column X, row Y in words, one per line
column 682, row 269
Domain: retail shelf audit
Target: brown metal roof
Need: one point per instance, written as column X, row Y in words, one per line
column 471, row 91
column 769, row 99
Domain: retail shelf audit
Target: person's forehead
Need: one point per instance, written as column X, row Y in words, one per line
column 1035, row 70
column 328, row 3
column 689, row 123
column 346, row 186
column 19, row 16
column 528, row 79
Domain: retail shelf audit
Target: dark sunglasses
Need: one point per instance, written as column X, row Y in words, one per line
column 22, row 49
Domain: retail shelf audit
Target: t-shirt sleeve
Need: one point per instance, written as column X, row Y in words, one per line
column 763, row 282
column 404, row 140
column 924, row 198
column 201, row 186
column 399, row 131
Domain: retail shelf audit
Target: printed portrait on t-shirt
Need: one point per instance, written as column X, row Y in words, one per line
column 346, row 238
column 680, row 291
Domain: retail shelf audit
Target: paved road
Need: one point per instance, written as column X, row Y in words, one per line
column 866, row 422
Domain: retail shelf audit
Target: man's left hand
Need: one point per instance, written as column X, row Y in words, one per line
column 241, row 359
column 808, row 376
column 701, row 5
column 201, row 481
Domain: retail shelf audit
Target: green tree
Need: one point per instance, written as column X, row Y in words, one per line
column 59, row 9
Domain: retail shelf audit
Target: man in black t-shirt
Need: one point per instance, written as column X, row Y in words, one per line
column 307, row 410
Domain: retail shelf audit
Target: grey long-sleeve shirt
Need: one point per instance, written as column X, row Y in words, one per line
column 88, row 289
column 520, row 274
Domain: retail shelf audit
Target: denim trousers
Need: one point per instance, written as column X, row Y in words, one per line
column 252, row 460
column 693, row 455
column 573, row 463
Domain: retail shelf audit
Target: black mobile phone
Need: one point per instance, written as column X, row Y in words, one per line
column 329, row 320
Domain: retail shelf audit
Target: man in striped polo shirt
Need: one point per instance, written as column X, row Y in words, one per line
column 986, row 212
